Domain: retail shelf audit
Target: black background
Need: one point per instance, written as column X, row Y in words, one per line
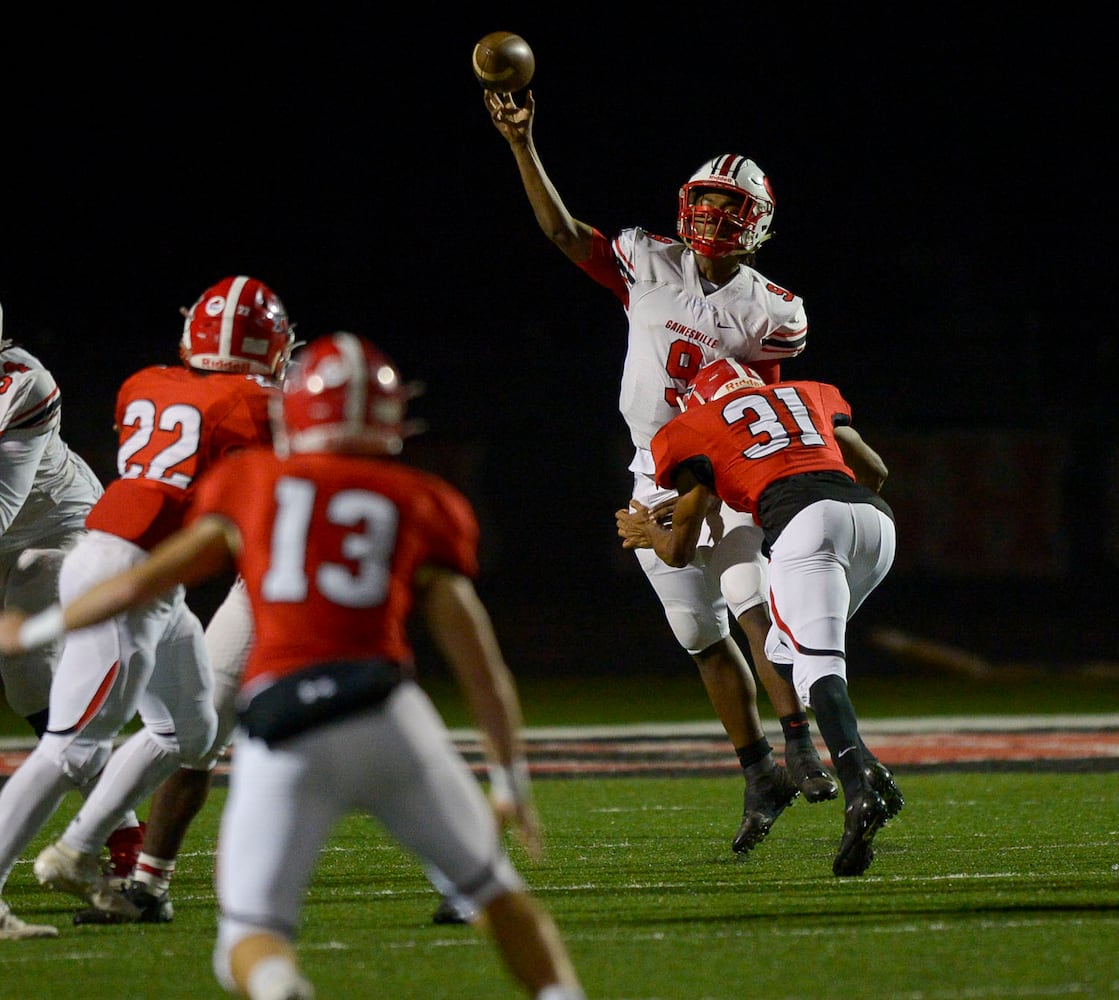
column 944, row 183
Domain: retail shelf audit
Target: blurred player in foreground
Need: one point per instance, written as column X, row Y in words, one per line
column 787, row 452
column 330, row 528
column 687, row 302
column 174, row 421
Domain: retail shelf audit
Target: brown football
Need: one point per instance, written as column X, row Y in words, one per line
column 503, row 62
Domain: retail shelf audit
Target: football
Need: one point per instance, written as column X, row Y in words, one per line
column 503, row 62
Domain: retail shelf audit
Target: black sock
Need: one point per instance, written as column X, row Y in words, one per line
column 753, row 753
column 835, row 718
column 796, row 729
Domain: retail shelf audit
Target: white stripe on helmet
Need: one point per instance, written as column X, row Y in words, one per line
column 229, row 314
column 356, row 382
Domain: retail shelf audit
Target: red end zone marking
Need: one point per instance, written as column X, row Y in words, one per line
column 706, row 754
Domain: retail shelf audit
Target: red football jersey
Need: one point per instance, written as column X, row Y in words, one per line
column 330, row 547
column 174, row 424
column 755, row 436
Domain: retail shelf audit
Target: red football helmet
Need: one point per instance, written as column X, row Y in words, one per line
column 240, row 326
column 342, row 394
column 717, row 379
column 739, row 228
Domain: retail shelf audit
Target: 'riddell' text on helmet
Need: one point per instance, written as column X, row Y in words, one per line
column 717, row 379
column 238, row 326
column 737, row 228
column 342, row 394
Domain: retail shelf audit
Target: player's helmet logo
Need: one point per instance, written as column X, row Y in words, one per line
column 738, row 228
column 240, row 326
column 717, row 379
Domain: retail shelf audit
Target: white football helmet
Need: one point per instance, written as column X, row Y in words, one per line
column 737, row 229
column 238, row 326
column 717, row 379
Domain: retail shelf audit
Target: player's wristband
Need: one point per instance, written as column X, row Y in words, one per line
column 509, row 783
column 42, row 628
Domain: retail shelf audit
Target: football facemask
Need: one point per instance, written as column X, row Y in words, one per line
column 739, row 227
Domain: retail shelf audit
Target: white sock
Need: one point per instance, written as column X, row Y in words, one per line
column 557, row 992
column 277, row 978
column 154, row 872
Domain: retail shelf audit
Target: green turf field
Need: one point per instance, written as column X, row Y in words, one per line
column 986, row 885
column 990, row 884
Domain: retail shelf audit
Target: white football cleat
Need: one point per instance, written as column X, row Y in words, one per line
column 14, row 929
column 62, row 868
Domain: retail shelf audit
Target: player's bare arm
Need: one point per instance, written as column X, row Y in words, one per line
column 676, row 545
column 514, row 123
column 463, row 631
column 864, row 461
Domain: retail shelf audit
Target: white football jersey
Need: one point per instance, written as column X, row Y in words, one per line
column 45, row 488
column 678, row 323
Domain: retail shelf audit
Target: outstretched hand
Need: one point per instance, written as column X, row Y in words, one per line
column 512, row 121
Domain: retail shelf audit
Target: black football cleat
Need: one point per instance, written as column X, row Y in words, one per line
column 814, row 780
column 153, row 908
column 882, row 781
column 864, row 817
column 764, row 800
column 447, row 913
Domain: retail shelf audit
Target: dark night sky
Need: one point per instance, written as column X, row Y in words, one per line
column 940, row 184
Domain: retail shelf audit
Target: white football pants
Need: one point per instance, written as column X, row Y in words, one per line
column 821, row 569
column 728, row 572
column 398, row 764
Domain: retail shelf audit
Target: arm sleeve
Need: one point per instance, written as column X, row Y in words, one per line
column 603, row 267
column 19, row 461
column 770, row 371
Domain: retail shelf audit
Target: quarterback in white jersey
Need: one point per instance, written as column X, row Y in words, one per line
column 46, row 490
column 679, row 321
column 688, row 302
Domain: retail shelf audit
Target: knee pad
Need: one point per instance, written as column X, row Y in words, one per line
column 737, row 560
column 194, row 744
column 696, row 630
column 81, row 760
column 743, row 586
column 695, row 611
